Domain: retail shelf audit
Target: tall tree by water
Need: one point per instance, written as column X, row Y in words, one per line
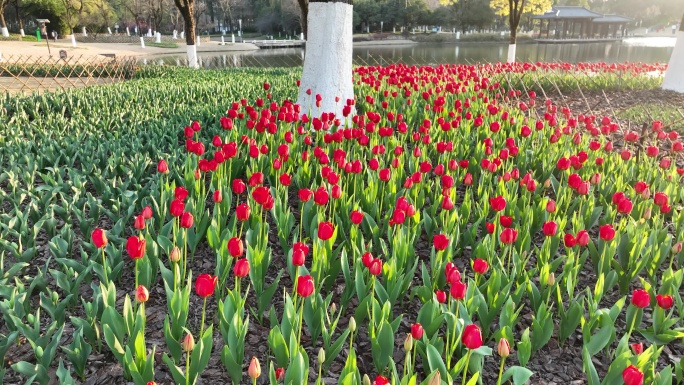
column 515, row 9
column 3, row 25
column 187, row 10
column 674, row 77
column 328, row 62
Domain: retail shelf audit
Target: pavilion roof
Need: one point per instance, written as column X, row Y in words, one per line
column 612, row 19
column 569, row 12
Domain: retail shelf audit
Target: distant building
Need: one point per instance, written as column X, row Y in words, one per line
column 579, row 23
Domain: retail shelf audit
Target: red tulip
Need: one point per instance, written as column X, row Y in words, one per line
column 241, row 268
column 660, row 199
column 321, row 196
column 380, row 380
column 582, row 238
column 384, row 175
column 180, row 193
column 569, row 240
column 147, row 212
column 280, row 374
column 187, row 220
column 458, row 290
column 625, row 206
column 641, row 298
column 652, row 151
column 305, row 286
column 205, row 285
column 551, row 206
column 235, row 247
column 242, row 212
column 632, row 376
column 508, row 236
column 305, row 194
column 417, row 331
column 490, row 227
column 498, row 203
column 550, row 228
column 440, row 242
column 664, row 301
column 139, row 223
column 261, row 195
column 472, row 337
column 637, row 348
column 375, row 267
column 607, row 232
column 177, row 207
column 217, row 197
column 325, row 231
column 238, row 186
column 356, row 217
column 505, row 221
column 163, row 167
column 136, row 247
column 480, row 266
column 299, row 252
column 285, row 179
column 441, row 296
column 99, row 238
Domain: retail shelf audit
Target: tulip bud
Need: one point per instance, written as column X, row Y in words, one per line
column 175, row 255
column 333, row 308
column 646, row 194
column 436, row 379
column 647, row 213
column 254, row 369
column 352, row 325
column 366, row 380
column 321, row 356
column 547, row 183
column 677, row 248
column 503, row 348
column 408, row 342
column 551, row 280
column 142, row 294
column 39, row 352
column 188, row 343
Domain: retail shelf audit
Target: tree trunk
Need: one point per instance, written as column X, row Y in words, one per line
column 3, row 25
column 304, row 8
column 328, row 62
column 674, row 77
column 187, row 10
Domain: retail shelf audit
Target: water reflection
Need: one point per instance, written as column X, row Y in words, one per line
column 647, row 50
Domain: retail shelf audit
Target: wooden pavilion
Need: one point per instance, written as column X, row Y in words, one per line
column 569, row 23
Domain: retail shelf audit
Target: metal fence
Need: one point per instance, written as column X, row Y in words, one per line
column 22, row 74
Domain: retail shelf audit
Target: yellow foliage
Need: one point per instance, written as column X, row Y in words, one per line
column 534, row 7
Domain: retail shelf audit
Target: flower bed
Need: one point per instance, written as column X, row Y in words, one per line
column 454, row 223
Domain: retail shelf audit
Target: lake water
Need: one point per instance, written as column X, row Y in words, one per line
column 647, row 50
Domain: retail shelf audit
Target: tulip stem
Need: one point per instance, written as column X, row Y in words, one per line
column 187, row 369
column 204, row 308
column 451, row 347
column 372, row 304
column 465, row 368
column 104, row 266
column 501, row 368
column 136, row 272
column 301, row 321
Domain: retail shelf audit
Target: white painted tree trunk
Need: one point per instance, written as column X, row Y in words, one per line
column 674, row 77
column 84, row 31
column 73, row 40
column 192, row 56
column 511, row 53
column 21, row 32
column 142, row 42
column 328, row 61
column 5, row 32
